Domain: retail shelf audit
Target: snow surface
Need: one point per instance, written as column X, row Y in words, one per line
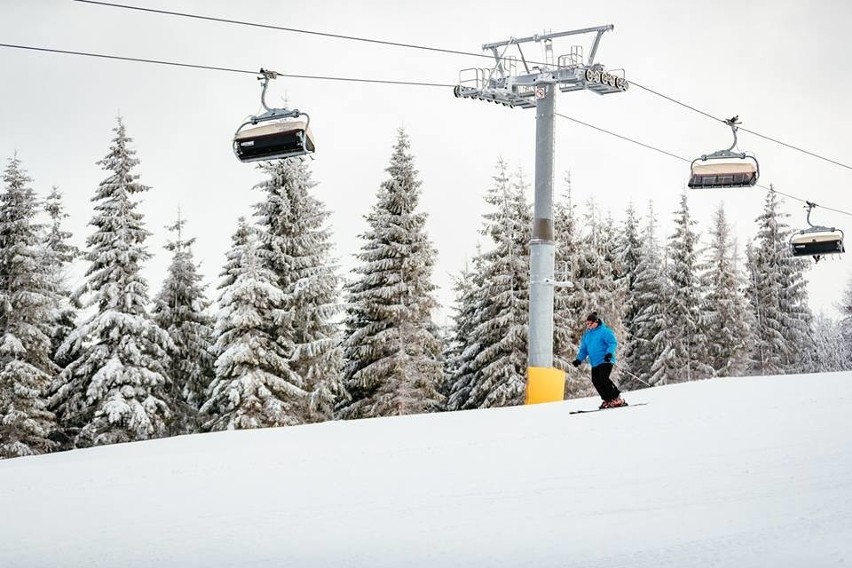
column 726, row 472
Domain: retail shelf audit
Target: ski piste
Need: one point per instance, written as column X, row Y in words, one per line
column 600, row 409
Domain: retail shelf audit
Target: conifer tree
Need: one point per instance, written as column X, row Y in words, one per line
column 25, row 310
column 569, row 305
column 683, row 358
column 628, row 249
column 60, row 253
column 628, row 252
column 180, row 308
column 649, row 300
column 845, row 325
column 297, row 247
column 597, row 286
column 254, row 386
column 750, row 315
column 460, row 355
column 778, row 294
column 233, row 266
column 829, row 346
column 392, row 354
column 650, row 297
column 115, row 386
column 726, row 324
column 501, row 330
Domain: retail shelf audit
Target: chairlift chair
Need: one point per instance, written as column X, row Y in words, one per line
column 725, row 168
column 276, row 134
column 816, row 241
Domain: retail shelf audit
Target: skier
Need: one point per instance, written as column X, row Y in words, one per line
column 599, row 344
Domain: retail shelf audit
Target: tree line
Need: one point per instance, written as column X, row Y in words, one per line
column 290, row 341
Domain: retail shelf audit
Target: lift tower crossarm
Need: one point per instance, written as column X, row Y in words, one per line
column 599, row 30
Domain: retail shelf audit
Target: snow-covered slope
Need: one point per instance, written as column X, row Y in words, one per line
column 727, row 472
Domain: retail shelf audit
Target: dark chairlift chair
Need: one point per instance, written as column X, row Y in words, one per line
column 816, row 241
column 276, row 134
column 725, row 168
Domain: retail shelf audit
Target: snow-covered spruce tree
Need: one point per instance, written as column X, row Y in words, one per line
column 501, row 332
column 569, row 307
column 599, row 275
column 26, row 304
column 297, row 247
column 461, row 351
column 60, row 253
column 596, row 285
column 392, row 354
column 750, row 315
column 115, row 387
column 829, row 348
column 845, row 324
column 759, row 356
column 778, row 295
column 180, row 308
column 491, row 327
column 727, row 330
column 628, row 252
column 650, row 300
column 683, row 358
column 254, row 386
column 233, row 259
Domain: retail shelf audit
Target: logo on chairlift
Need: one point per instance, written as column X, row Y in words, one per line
column 604, row 78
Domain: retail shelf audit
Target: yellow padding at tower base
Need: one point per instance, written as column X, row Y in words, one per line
column 544, row 384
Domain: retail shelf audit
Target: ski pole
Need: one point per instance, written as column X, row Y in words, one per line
column 620, row 369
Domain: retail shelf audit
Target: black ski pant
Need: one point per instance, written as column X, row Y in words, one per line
column 605, row 387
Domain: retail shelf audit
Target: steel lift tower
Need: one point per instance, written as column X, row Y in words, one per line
column 535, row 87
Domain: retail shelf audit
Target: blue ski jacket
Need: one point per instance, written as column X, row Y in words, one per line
column 596, row 343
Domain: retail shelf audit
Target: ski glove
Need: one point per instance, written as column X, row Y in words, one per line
column 608, row 357
column 576, row 362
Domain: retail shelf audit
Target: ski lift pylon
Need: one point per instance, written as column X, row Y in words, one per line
column 275, row 134
column 725, row 168
column 816, row 241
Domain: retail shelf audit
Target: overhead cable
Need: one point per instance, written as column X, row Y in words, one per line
column 438, row 50
column 281, row 28
column 681, row 158
column 623, row 137
column 227, row 69
column 740, row 128
column 354, row 79
column 135, row 59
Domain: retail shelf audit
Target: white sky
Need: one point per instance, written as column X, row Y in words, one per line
column 727, row 472
column 781, row 66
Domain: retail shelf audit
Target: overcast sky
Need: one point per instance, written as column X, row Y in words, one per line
column 781, row 66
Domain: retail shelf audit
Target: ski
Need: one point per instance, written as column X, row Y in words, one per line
column 600, row 409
